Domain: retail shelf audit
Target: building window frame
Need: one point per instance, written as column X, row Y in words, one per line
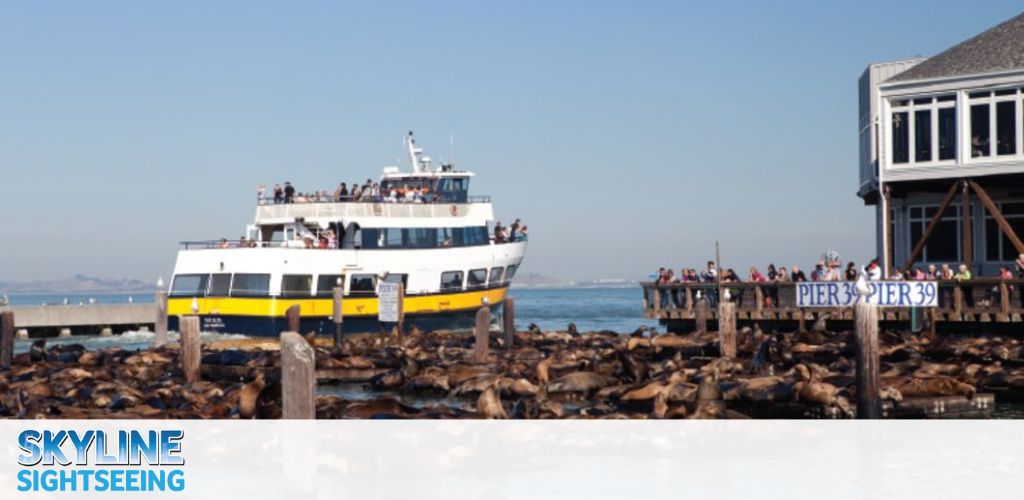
column 921, row 219
column 912, row 106
column 992, row 98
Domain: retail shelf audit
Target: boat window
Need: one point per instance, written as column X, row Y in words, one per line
column 497, row 275
column 422, row 238
column 397, row 278
column 451, row 280
column 296, row 285
column 368, row 237
column 250, row 285
column 363, row 283
column 511, row 272
column 392, row 237
column 444, row 237
column 190, row 285
column 325, row 284
column 477, row 278
column 220, row 284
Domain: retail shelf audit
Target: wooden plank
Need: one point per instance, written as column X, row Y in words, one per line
column 508, row 321
column 727, row 329
column 190, row 353
column 337, row 313
column 482, row 334
column 298, row 378
column 160, row 322
column 967, row 230
column 998, row 216
column 868, row 401
column 919, row 246
column 6, row 338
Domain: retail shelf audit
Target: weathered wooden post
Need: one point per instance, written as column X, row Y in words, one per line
column 298, row 377
column 400, row 325
column 727, row 329
column 689, row 301
column 482, row 333
column 160, row 323
column 6, row 338
column 869, row 405
column 337, row 315
column 293, row 319
column 508, row 320
column 702, row 315
column 190, row 352
column 656, row 295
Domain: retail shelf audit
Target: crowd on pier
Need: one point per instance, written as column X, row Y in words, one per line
column 831, row 269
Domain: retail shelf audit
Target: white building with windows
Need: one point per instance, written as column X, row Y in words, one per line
column 942, row 153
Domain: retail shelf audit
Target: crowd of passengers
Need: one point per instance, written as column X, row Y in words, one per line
column 510, row 234
column 831, row 270
column 368, row 191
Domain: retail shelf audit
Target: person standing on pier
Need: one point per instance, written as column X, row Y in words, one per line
column 798, row 275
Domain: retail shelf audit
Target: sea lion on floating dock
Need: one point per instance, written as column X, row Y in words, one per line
column 248, row 395
column 810, row 388
column 585, row 382
column 488, row 405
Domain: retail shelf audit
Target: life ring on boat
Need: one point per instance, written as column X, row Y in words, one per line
column 454, row 210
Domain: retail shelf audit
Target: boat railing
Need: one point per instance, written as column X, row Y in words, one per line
column 992, row 295
column 427, row 200
column 301, row 244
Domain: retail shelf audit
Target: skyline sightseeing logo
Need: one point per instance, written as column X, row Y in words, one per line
column 93, row 460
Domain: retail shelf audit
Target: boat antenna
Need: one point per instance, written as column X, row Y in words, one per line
column 451, row 150
column 414, row 152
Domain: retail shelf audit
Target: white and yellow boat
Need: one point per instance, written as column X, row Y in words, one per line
column 439, row 246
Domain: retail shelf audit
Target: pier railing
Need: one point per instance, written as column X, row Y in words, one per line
column 428, row 200
column 981, row 299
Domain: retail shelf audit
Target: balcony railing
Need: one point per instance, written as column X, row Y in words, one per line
column 426, row 200
column 978, row 296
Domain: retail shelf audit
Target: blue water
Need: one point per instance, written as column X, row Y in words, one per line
column 618, row 309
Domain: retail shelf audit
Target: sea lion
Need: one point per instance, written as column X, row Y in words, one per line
column 579, row 382
column 542, row 370
column 488, row 405
column 248, row 395
column 571, row 330
column 635, row 369
column 810, row 388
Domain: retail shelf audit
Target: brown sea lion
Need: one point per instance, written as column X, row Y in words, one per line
column 248, row 395
column 579, row 382
column 488, row 405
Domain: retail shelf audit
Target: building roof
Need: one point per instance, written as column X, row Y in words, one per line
column 998, row 49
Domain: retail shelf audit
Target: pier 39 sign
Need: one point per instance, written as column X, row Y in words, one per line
column 883, row 293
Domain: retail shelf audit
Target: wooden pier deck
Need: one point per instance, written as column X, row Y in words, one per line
column 977, row 302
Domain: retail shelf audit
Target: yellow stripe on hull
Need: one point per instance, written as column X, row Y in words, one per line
column 351, row 306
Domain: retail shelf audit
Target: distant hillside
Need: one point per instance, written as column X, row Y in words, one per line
column 77, row 284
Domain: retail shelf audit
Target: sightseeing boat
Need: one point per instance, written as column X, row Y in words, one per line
column 433, row 238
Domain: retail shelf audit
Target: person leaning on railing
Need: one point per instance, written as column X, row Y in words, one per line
column 962, row 276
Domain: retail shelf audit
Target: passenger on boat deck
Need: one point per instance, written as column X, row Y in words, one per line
column 261, row 190
column 223, row 243
column 523, row 233
column 499, row 232
column 278, row 194
column 798, row 275
column 289, row 192
column 356, row 192
column 332, row 239
column 392, row 196
column 242, row 242
column 513, row 230
column 341, row 194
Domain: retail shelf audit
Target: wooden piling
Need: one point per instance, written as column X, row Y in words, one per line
column 6, row 338
column 869, row 405
column 338, row 294
column 702, row 315
column 727, row 329
column 508, row 320
column 190, row 353
column 160, row 326
column 482, row 333
column 298, row 377
column 400, row 326
column 293, row 317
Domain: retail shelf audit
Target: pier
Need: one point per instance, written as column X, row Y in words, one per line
column 982, row 302
column 92, row 319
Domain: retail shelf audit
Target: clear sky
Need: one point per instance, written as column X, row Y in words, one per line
column 627, row 135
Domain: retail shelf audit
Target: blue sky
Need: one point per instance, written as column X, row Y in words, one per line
column 628, row 135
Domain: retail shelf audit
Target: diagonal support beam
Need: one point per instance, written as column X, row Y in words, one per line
column 919, row 246
column 998, row 216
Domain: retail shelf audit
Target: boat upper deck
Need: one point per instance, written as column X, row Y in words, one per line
column 476, row 211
